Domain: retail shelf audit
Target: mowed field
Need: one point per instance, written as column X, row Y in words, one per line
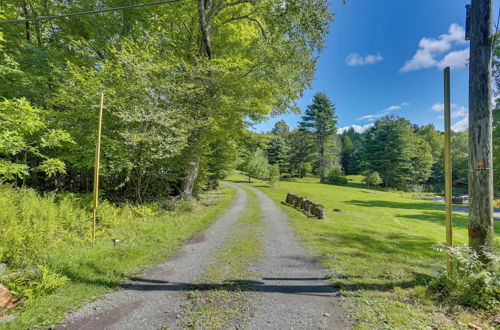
column 378, row 245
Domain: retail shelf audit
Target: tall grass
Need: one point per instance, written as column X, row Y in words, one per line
column 32, row 225
column 52, row 233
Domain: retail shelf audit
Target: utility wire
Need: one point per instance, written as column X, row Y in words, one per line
column 87, row 12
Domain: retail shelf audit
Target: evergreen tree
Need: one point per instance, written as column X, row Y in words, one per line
column 281, row 129
column 388, row 149
column 278, row 154
column 301, row 152
column 320, row 120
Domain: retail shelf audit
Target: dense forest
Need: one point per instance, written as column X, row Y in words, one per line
column 180, row 83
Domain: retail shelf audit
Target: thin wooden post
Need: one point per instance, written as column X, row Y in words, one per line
column 480, row 128
column 96, row 169
column 447, row 166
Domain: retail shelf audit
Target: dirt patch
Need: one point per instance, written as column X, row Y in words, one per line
column 197, row 239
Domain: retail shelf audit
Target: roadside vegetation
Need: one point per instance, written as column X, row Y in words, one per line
column 222, row 297
column 380, row 248
column 52, row 263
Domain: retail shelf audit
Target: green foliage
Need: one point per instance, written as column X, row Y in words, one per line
column 336, row 177
column 496, row 149
column 256, row 165
column 301, row 152
column 281, row 129
column 37, row 282
column 377, row 249
column 320, row 121
column 278, row 154
column 392, row 149
column 372, row 179
column 171, row 97
column 470, row 284
column 32, row 225
column 274, row 174
column 22, row 133
column 146, row 236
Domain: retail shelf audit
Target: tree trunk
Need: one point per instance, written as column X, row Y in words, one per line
column 204, row 7
column 190, row 179
column 480, row 128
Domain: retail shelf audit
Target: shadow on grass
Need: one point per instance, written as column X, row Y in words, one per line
column 394, row 205
column 370, row 243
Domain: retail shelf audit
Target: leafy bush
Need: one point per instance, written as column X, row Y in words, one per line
column 372, row 179
column 471, row 283
column 39, row 282
column 336, row 176
column 274, row 174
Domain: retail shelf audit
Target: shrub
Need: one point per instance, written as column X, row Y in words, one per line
column 38, row 282
column 336, row 177
column 471, row 283
column 274, row 174
column 372, row 179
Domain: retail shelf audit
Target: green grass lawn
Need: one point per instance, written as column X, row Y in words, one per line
column 95, row 270
column 376, row 246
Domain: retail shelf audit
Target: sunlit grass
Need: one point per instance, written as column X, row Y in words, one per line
column 377, row 248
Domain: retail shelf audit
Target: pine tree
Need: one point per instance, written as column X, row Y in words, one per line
column 278, row 154
column 281, row 128
column 389, row 149
column 320, row 120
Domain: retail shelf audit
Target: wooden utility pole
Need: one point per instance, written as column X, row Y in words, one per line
column 480, row 126
column 96, row 170
column 447, row 166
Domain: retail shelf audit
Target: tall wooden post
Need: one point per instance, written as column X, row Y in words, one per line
column 447, row 166
column 480, row 126
column 96, row 169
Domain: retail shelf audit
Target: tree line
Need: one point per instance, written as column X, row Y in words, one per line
column 180, row 80
column 393, row 153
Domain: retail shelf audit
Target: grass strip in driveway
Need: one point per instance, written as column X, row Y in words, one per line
column 378, row 246
column 221, row 298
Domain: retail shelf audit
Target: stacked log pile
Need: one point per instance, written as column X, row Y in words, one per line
column 306, row 205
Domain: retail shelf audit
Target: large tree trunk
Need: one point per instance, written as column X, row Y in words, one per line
column 204, row 8
column 190, row 178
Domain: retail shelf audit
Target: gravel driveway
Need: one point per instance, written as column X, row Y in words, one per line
column 293, row 292
column 154, row 299
column 295, row 289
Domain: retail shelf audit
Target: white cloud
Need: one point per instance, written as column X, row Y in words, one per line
column 460, row 112
column 455, row 60
column 429, row 49
column 368, row 117
column 384, row 112
column 358, row 60
column 392, row 108
column 357, row 128
column 457, row 111
column 461, row 125
column 438, row 107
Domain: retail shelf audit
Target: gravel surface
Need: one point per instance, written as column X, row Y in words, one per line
column 295, row 291
column 154, row 299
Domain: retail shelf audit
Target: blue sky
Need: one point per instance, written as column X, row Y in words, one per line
column 387, row 56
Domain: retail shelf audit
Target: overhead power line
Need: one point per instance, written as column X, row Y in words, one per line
column 87, row 12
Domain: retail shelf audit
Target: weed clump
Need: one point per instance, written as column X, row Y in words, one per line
column 471, row 284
